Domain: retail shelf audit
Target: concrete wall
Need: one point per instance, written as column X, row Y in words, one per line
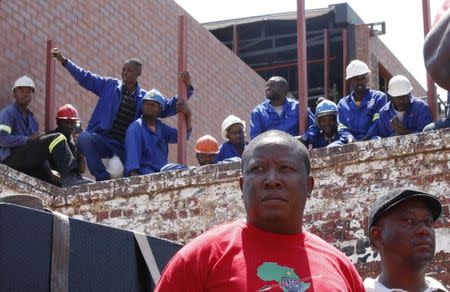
column 181, row 205
column 101, row 35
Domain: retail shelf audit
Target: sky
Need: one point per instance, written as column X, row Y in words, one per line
column 404, row 21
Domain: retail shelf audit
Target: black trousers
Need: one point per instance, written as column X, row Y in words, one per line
column 33, row 158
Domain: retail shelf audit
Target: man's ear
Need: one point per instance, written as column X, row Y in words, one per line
column 375, row 237
column 310, row 184
column 241, row 184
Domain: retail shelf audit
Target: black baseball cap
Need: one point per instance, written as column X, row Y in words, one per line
column 394, row 197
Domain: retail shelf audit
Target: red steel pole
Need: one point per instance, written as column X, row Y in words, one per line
column 301, row 66
column 49, row 89
column 291, row 64
column 235, row 40
column 182, row 90
column 344, row 60
column 326, row 56
column 430, row 84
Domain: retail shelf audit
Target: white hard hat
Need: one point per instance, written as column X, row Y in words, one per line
column 23, row 81
column 399, row 85
column 113, row 166
column 228, row 122
column 356, row 68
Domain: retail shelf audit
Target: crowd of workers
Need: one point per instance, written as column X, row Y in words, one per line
column 125, row 133
column 269, row 250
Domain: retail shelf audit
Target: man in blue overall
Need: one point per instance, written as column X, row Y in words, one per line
column 403, row 114
column 324, row 133
column 147, row 138
column 119, row 104
column 25, row 148
column 358, row 111
column 277, row 112
column 233, row 131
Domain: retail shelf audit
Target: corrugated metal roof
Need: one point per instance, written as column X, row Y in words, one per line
column 278, row 16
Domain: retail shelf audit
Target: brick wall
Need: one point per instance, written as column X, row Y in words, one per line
column 392, row 64
column 374, row 52
column 180, row 205
column 362, row 35
column 101, row 35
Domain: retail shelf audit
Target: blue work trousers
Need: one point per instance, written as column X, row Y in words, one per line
column 96, row 146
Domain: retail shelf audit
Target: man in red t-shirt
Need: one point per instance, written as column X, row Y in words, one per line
column 436, row 54
column 270, row 251
column 436, row 48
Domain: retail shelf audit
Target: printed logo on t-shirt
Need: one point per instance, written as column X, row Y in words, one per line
column 285, row 277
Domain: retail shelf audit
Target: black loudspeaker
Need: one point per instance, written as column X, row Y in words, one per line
column 102, row 258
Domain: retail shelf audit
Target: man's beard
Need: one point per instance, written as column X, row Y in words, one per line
column 65, row 131
column 271, row 97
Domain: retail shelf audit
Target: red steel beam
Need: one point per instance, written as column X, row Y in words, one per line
column 301, row 66
column 431, row 98
column 182, row 90
column 235, row 40
column 326, row 56
column 344, row 60
column 291, row 64
column 49, row 89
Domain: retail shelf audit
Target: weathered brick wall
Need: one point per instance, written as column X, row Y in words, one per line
column 373, row 52
column 392, row 64
column 101, row 35
column 180, row 205
column 362, row 35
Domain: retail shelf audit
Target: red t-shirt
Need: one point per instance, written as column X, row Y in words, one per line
column 240, row 257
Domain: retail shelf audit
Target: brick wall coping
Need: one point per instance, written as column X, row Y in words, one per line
column 371, row 151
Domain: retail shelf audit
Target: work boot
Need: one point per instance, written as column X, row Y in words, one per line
column 73, row 180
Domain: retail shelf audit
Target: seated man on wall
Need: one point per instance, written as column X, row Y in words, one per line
column 25, row 148
column 441, row 123
column 324, row 133
column 206, row 149
column 358, row 111
column 401, row 230
column 119, row 104
column 233, row 131
column 277, row 112
column 68, row 123
column 270, row 250
column 147, row 138
column 403, row 114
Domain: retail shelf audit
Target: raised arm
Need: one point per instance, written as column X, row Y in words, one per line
column 86, row 79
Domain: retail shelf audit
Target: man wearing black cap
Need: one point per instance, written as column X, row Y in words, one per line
column 401, row 230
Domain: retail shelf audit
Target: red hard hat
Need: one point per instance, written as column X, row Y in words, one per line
column 207, row 144
column 67, row 112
